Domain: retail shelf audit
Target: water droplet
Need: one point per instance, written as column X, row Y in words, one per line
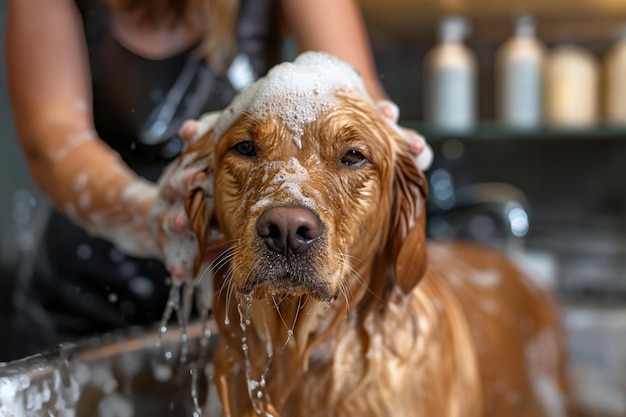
column 162, row 372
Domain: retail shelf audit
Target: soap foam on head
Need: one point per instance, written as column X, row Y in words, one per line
column 297, row 93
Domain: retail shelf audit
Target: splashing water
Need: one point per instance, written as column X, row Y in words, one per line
column 194, row 392
column 174, row 306
column 204, row 302
column 255, row 387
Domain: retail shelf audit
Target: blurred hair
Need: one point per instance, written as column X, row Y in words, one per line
column 219, row 44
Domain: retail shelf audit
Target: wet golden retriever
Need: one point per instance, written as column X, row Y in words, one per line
column 330, row 302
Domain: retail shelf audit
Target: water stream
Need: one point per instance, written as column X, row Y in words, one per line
column 255, row 387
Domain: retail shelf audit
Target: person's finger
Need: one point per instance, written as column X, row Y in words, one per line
column 425, row 159
column 178, row 272
column 415, row 140
column 188, row 130
column 178, row 222
column 199, row 178
column 389, row 110
column 192, row 178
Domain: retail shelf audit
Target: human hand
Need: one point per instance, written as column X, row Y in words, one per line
column 422, row 152
column 174, row 231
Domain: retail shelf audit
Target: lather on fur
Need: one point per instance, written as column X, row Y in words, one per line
column 329, row 300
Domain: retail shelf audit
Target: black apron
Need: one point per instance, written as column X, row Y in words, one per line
column 76, row 285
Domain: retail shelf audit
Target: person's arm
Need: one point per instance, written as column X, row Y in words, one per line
column 50, row 91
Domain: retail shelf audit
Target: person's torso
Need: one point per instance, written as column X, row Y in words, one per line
column 140, row 103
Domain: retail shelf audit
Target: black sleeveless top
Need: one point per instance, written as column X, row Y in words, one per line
column 77, row 285
column 140, row 103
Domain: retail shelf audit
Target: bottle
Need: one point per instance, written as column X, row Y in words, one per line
column 572, row 78
column 450, row 78
column 615, row 70
column 519, row 77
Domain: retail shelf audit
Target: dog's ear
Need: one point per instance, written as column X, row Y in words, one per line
column 407, row 239
column 199, row 200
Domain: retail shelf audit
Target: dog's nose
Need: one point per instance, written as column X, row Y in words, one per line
column 288, row 230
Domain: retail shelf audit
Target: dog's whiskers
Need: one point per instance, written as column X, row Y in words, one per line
column 284, row 296
column 344, row 289
column 354, row 272
column 229, row 292
column 295, row 319
column 228, row 276
column 280, row 315
column 216, row 265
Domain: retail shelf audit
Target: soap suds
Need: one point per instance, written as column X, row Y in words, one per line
column 139, row 191
column 80, row 181
column 72, row 142
column 297, row 93
column 287, row 178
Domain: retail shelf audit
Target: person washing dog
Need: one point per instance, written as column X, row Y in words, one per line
column 99, row 92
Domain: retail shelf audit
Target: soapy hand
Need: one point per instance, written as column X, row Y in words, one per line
column 174, row 233
column 422, row 152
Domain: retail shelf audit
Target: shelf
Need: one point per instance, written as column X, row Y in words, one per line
column 488, row 131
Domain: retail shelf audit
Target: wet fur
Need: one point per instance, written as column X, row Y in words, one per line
column 373, row 323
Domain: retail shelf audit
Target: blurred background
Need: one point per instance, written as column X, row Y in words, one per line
column 17, row 197
column 524, row 103
column 564, row 157
column 521, row 161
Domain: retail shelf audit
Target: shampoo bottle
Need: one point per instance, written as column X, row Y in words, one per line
column 615, row 70
column 519, row 78
column 450, row 79
column 572, row 78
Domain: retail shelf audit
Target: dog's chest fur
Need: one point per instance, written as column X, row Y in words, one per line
column 438, row 351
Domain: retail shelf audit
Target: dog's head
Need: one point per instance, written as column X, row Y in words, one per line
column 313, row 189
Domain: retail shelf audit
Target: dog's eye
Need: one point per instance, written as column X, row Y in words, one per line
column 353, row 158
column 245, row 148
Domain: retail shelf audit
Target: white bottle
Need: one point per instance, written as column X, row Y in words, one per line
column 519, row 77
column 450, row 79
column 572, row 79
column 615, row 70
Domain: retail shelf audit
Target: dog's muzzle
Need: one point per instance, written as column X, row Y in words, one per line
column 289, row 261
column 289, row 230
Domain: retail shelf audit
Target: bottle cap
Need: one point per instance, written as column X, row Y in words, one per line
column 525, row 26
column 454, row 29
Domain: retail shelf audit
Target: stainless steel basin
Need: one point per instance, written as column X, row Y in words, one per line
column 133, row 373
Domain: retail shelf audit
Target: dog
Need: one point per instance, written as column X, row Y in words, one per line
column 329, row 300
